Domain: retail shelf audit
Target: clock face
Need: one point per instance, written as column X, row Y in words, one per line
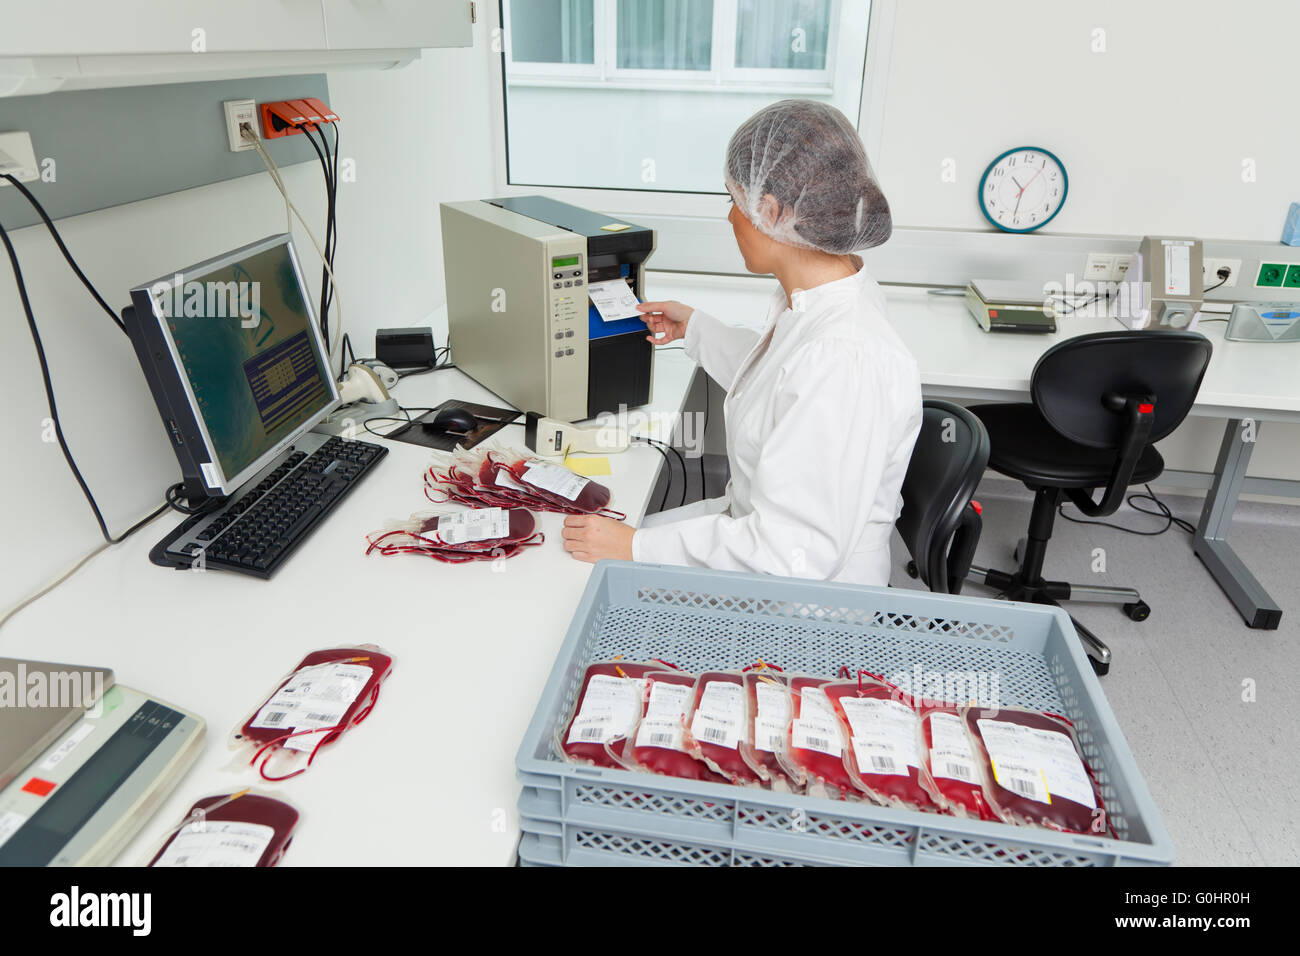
column 1023, row 189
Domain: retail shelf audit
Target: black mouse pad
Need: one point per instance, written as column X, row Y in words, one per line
column 490, row 421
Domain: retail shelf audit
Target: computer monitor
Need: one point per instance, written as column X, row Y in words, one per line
column 233, row 355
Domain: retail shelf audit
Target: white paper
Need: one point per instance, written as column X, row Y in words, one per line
column 773, row 718
column 555, row 479
column 610, row 708
column 816, row 727
column 481, row 524
column 720, row 714
column 662, row 726
column 218, row 843
column 1035, row 762
column 613, row 299
column 950, row 751
column 883, row 734
column 506, row 480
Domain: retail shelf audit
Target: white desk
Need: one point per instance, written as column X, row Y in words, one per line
column 429, row 777
column 1245, row 382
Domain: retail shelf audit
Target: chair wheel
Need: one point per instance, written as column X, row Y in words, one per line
column 1098, row 667
column 1137, row 611
column 911, row 570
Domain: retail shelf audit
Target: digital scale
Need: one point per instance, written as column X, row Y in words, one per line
column 78, row 782
column 1264, row 322
column 1000, row 305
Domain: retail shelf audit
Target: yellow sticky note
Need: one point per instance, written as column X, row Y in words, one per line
column 615, row 227
column 588, row 467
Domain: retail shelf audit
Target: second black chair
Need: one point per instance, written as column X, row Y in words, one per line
column 1100, row 403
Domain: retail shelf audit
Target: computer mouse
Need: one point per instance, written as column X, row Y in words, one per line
column 456, row 420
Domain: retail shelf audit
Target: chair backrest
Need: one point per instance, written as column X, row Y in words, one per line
column 1077, row 382
column 947, row 461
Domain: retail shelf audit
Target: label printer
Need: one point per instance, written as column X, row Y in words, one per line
column 519, row 318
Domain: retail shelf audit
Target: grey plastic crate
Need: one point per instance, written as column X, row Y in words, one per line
column 577, row 815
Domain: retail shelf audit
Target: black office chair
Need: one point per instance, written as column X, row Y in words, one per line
column 939, row 524
column 1100, row 402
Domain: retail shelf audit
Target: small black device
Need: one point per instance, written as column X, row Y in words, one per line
column 459, row 420
column 405, row 348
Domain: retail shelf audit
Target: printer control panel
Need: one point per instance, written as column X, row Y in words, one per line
column 568, row 278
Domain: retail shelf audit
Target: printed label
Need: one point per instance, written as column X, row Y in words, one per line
column 313, row 698
column 816, row 727
column 773, row 719
column 883, row 734
column 664, row 711
column 218, row 843
column 481, row 524
column 720, row 714
column 556, row 480
column 950, row 751
column 1035, row 763
column 610, row 708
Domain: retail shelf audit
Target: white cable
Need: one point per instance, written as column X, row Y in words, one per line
column 33, row 598
column 336, row 342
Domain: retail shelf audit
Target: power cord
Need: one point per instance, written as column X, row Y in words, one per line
column 663, row 450
column 1162, row 511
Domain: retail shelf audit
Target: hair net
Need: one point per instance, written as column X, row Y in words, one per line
column 798, row 171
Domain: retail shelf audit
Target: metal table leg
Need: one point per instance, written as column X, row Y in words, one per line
column 1211, row 540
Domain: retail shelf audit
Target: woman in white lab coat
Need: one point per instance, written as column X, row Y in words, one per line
column 824, row 404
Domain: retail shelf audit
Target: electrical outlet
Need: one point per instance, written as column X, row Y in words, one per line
column 1099, row 268
column 1210, row 272
column 1270, row 275
column 1122, row 263
column 18, row 158
column 237, row 112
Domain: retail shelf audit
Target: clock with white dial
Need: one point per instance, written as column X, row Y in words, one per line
column 1023, row 189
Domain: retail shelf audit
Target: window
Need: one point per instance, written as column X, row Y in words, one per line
column 644, row 94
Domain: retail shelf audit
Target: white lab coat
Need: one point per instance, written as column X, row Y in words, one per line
column 820, row 428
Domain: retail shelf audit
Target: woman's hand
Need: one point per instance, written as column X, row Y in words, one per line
column 593, row 537
column 670, row 318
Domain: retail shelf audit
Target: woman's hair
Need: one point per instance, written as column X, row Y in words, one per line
column 809, row 159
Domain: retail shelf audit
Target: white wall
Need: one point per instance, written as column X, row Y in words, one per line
column 1153, row 131
column 419, row 136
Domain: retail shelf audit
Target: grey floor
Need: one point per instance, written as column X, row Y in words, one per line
column 1223, row 770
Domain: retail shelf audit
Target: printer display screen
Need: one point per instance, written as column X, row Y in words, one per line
column 563, row 261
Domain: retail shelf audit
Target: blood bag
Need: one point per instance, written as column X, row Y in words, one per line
column 661, row 741
column 477, row 534
column 559, row 485
column 768, row 695
column 329, row 692
column 239, row 829
column 508, row 477
column 720, row 726
column 884, row 756
column 610, row 702
column 954, row 769
column 817, row 741
column 1034, row 771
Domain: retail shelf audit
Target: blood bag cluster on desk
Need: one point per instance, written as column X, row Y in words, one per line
column 480, row 534
column 508, row 478
column 859, row 739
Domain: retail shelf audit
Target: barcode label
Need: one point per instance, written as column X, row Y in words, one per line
column 715, row 735
column 1047, row 758
column 815, row 734
column 660, row 740
column 275, row 718
column 720, row 714
column 610, row 709
column 882, row 764
column 956, row 770
column 883, row 735
column 950, row 752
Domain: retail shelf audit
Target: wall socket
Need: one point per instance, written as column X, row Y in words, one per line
column 1106, row 266
column 237, row 112
column 1210, row 272
column 18, row 158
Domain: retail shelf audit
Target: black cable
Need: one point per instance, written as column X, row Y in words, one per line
column 58, row 241
column 680, row 460
column 335, row 181
column 49, row 398
column 667, row 462
column 703, row 434
column 1162, row 511
column 329, row 227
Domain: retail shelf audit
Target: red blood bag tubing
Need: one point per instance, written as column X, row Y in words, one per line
column 243, row 829
column 1034, row 771
column 325, row 695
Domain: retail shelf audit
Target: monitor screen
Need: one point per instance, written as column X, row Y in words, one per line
column 244, row 340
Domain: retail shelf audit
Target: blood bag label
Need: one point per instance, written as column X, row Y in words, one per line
column 313, row 698
column 816, row 727
column 481, row 524
column 720, row 714
column 507, row 480
column 556, row 480
column 883, row 733
column 662, row 726
column 773, row 718
column 610, row 708
column 950, row 751
column 218, row 843
column 1036, row 764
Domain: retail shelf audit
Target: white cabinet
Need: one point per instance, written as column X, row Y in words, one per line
column 47, row 45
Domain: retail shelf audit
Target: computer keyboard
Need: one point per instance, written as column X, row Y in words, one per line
column 255, row 530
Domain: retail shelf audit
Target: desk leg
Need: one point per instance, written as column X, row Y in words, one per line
column 1211, row 541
